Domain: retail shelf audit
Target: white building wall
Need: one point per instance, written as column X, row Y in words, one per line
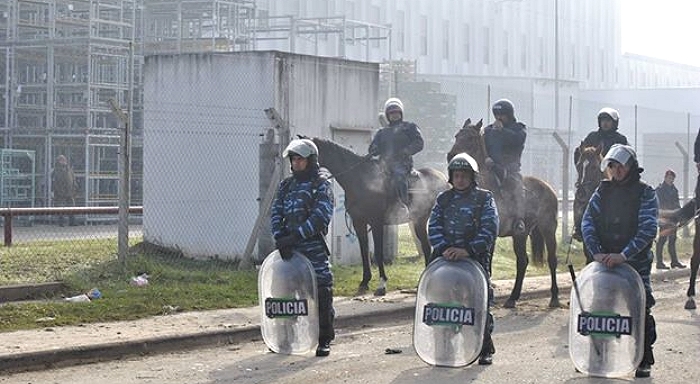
column 589, row 39
column 204, row 117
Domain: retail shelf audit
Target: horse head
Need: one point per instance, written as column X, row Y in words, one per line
column 588, row 165
column 469, row 139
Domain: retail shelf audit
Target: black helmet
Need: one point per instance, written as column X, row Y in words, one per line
column 610, row 113
column 462, row 162
column 503, row 107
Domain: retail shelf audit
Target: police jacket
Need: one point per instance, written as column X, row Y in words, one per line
column 505, row 146
column 668, row 196
column 396, row 143
column 465, row 219
column 606, row 138
column 304, row 205
column 621, row 218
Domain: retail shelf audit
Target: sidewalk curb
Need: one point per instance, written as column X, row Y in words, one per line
column 64, row 357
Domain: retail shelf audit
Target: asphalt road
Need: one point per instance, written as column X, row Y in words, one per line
column 531, row 343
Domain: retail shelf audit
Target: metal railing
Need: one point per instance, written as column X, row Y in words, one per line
column 8, row 213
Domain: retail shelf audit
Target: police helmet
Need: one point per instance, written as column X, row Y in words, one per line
column 623, row 154
column 302, row 147
column 611, row 113
column 462, row 162
column 503, row 107
column 392, row 105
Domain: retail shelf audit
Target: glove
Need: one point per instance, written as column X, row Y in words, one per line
column 287, row 241
column 286, row 253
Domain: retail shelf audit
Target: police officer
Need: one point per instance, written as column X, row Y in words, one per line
column 667, row 193
column 464, row 224
column 505, row 141
column 395, row 146
column 604, row 137
column 619, row 226
column 300, row 215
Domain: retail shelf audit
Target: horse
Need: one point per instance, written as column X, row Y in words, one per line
column 589, row 176
column 540, row 214
column 368, row 203
column 679, row 218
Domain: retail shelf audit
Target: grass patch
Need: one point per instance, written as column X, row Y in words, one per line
column 176, row 281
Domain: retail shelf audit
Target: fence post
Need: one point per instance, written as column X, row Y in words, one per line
column 564, row 187
column 123, row 231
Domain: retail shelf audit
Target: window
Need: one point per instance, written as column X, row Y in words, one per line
column 375, row 18
column 423, row 35
column 487, row 45
column 400, row 31
column 466, row 46
column 446, row 39
column 541, row 55
column 573, row 61
column 505, row 49
column 523, row 53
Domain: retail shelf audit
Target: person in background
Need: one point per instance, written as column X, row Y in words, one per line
column 64, row 188
column 667, row 194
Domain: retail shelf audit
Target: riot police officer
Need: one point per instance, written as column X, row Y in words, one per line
column 395, row 146
column 505, row 142
column 619, row 226
column 301, row 213
column 464, row 224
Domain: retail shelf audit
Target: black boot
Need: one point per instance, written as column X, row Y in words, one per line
column 660, row 265
column 644, row 370
column 677, row 264
column 324, row 348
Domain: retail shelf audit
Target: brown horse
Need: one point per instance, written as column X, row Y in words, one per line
column 540, row 213
column 588, row 161
column 368, row 204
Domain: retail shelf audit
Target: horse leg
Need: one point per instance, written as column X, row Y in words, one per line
column 519, row 246
column 694, row 264
column 378, row 238
column 551, row 243
column 363, row 240
column 420, row 228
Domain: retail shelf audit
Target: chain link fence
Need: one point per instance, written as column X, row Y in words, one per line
column 214, row 126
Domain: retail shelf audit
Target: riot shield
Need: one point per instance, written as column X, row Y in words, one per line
column 287, row 292
column 451, row 312
column 606, row 323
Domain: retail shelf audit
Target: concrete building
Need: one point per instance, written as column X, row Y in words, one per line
column 202, row 137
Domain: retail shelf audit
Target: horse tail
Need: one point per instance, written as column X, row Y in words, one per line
column 537, row 245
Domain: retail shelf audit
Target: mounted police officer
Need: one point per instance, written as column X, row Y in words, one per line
column 395, row 146
column 505, row 142
column 301, row 213
column 464, row 224
column 604, row 137
column 619, row 226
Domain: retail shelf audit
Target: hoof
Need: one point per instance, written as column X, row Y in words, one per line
column 380, row 292
column 510, row 303
column 361, row 290
column 554, row 303
column 690, row 304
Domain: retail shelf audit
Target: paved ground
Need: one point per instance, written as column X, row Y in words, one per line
column 62, row 346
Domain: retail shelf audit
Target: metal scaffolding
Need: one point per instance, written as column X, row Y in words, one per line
column 61, row 61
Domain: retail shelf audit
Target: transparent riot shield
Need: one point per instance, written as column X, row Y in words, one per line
column 287, row 291
column 606, row 323
column 451, row 312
